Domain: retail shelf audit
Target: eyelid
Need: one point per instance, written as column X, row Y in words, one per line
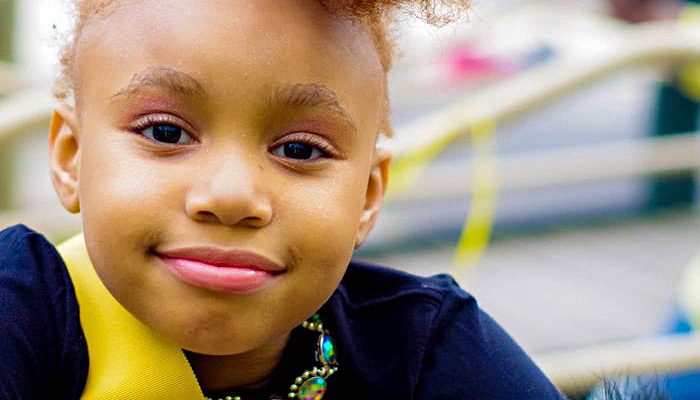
column 325, row 146
column 146, row 121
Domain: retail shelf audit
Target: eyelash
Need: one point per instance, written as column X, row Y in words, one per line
column 149, row 121
column 327, row 150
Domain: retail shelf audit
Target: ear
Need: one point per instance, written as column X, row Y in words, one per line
column 64, row 154
column 376, row 188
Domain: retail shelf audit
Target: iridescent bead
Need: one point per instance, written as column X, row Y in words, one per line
column 312, row 389
column 326, row 351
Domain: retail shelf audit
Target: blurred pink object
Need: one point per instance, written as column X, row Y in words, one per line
column 465, row 63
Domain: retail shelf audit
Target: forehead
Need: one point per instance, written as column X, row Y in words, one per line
column 235, row 48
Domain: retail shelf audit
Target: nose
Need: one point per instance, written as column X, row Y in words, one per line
column 229, row 193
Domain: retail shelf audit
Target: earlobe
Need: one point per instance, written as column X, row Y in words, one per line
column 376, row 188
column 64, row 153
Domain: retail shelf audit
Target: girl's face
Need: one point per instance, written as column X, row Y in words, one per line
column 222, row 154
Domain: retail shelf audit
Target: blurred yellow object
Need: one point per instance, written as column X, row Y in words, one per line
column 689, row 73
column 479, row 223
column 134, row 364
column 689, row 292
column 689, row 80
column 406, row 170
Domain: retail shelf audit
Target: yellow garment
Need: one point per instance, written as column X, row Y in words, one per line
column 127, row 359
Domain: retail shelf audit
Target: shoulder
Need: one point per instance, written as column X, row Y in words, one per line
column 40, row 334
column 23, row 248
column 366, row 285
column 411, row 337
column 30, row 262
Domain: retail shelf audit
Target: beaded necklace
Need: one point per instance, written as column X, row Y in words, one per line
column 311, row 384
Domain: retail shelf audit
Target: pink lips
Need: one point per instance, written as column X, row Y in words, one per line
column 220, row 270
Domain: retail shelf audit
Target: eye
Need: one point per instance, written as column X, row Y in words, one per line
column 167, row 133
column 298, row 151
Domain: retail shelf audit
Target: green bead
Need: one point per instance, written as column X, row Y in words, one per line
column 316, row 319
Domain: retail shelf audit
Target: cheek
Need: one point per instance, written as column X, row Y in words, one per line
column 123, row 199
column 320, row 233
column 324, row 217
column 114, row 179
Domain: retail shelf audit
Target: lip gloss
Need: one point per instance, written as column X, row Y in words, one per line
column 223, row 279
column 220, row 270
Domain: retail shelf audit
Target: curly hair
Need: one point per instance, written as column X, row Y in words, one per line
column 377, row 15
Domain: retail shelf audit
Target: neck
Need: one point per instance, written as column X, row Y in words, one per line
column 250, row 370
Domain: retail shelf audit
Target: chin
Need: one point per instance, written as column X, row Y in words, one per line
column 218, row 346
column 209, row 350
column 219, row 341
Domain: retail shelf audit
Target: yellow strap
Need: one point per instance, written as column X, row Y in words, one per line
column 406, row 170
column 127, row 359
column 477, row 228
column 479, row 222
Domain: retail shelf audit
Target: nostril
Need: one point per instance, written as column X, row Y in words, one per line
column 207, row 215
column 228, row 207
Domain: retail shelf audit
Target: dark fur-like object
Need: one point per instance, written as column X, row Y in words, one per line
column 632, row 388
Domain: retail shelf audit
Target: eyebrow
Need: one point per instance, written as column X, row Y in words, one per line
column 313, row 95
column 307, row 95
column 161, row 78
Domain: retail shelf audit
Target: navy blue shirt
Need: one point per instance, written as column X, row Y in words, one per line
column 398, row 336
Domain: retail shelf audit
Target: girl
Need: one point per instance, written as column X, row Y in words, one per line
column 223, row 157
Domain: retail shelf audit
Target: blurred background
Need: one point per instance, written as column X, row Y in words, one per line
column 560, row 134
